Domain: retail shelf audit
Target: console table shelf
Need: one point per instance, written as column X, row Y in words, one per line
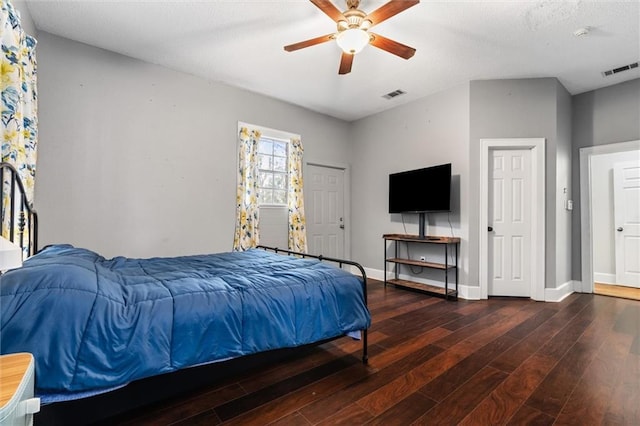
column 422, row 287
column 396, row 260
column 421, row 263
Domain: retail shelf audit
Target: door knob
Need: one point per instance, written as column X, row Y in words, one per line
column 620, row 229
column 490, row 229
column 341, row 226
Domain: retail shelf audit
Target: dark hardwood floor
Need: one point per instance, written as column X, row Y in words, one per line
column 498, row 361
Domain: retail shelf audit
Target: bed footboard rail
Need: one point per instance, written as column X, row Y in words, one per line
column 17, row 216
column 340, row 262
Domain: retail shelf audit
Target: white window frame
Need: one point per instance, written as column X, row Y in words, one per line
column 274, row 134
column 284, row 173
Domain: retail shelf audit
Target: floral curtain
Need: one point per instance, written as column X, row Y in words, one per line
column 295, row 201
column 19, row 100
column 247, row 208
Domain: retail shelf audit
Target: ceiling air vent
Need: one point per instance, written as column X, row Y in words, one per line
column 620, row 69
column 399, row 92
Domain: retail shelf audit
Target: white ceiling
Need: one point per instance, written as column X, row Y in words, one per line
column 240, row 43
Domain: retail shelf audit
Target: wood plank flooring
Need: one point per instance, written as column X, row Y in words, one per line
column 491, row 362
column 617, row 291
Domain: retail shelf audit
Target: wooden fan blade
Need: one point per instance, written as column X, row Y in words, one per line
column 345, row 63
column 388, row 10
column 329, row 9
column 392, row 46
column 309, row 43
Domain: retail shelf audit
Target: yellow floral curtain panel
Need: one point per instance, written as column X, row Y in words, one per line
column 247, row 233
column 247, row 208
column 295, row 199
column 19, row 100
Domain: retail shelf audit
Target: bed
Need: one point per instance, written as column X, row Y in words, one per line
column 99, row 327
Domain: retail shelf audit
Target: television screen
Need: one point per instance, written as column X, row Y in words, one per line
column 421, row 190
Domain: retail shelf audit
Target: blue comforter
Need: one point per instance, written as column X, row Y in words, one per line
column 94, row 323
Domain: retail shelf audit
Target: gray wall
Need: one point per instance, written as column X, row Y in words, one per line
column 600, row 117
column 427, row 132
column 25, row 18
column 564, row 218
column 519, row 109
column 136, row 159
column 447, row 127
column 139, row 160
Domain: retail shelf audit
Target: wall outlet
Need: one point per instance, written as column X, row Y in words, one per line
column 422, row 258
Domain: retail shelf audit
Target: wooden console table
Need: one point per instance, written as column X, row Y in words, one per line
column 446, row 242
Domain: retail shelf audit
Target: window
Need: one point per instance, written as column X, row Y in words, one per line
column 272, row 171
column 270, row 166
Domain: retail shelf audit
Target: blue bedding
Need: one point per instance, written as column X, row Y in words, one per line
column 94, row 323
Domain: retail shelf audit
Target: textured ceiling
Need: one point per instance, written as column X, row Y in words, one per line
column 240, row 43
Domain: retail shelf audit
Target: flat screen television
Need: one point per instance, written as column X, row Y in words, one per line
column 421, row 190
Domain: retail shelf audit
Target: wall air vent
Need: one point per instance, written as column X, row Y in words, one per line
column 395, row 93
column 620, row 69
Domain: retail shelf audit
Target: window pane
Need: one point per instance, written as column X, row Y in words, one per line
column 280, row 149
column 265, row 147
column 265, row 162
column 266, row 180
column 279, row 181
column 266, row 196
column 280, row 164
column 279, row 196
column 272, row 157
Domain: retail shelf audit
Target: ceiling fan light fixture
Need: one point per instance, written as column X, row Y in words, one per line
column 353, row 40
column 353, row 34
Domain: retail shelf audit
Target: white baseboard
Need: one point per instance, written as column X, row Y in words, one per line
column 376, row 274
column 559, row 293
column 577, row 286
column 469, row 292
column 604, row 278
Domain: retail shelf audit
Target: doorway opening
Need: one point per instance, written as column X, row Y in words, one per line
column 608, row 230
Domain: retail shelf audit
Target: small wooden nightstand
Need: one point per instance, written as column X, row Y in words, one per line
column 17, row 404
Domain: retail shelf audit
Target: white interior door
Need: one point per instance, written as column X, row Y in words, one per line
column 626, row 196
column 324, row 206
column 509, row 218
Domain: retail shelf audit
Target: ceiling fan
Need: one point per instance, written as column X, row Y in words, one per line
column 353, row 30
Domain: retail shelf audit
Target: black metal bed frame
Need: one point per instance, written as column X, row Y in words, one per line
column 19, row 211
column 140, row 393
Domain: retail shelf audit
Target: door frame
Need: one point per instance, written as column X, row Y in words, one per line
column 537, row 243
column 586, row 228
column 347, row 200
